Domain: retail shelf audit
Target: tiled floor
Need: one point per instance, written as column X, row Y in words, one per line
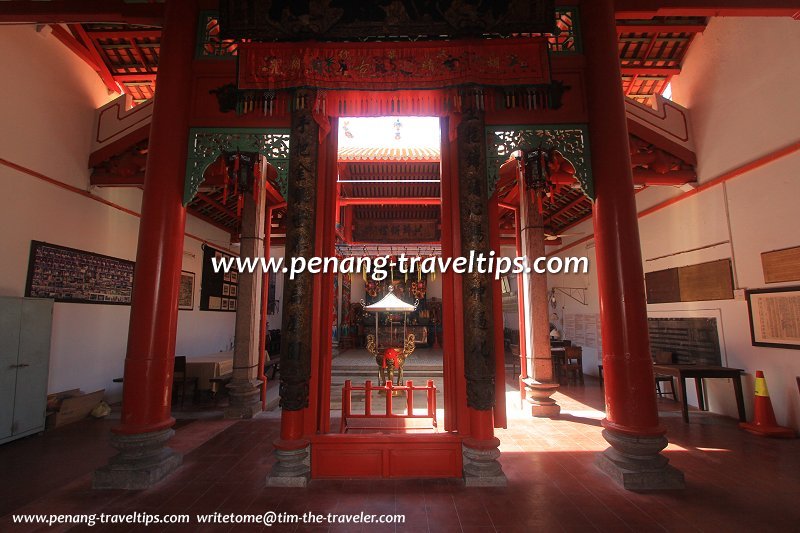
column 735, row 481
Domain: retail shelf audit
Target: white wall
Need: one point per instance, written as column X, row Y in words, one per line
column 574, row 290
column 49, row 98
column 742, row 97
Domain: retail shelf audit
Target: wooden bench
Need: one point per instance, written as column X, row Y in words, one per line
column 218, row 384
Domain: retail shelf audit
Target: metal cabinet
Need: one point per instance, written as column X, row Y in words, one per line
column 25, row 328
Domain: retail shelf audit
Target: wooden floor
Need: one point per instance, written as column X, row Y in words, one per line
column 735, row 481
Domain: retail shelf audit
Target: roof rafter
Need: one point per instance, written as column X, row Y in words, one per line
column 76, row 47
column 103, row 71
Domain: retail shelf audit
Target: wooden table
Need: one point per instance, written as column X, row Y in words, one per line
column 699, row 373
column 205, row 367
column 558, row 356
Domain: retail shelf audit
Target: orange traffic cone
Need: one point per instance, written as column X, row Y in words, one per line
column 764, row 423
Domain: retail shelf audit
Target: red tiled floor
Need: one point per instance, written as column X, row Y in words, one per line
column 735, row 481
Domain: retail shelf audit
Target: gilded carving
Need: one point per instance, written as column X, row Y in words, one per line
column 301, row 205
column 476, row 287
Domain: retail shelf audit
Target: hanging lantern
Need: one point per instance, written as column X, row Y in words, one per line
column 242, row 173
column 538, row 165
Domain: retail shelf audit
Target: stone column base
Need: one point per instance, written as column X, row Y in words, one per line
column 538, row 397
column 481, row 467
column 245, row 399
column 636, row 464
column 292, row 469
column 142, row 461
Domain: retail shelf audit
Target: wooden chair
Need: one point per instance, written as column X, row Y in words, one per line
column 273, row 365
column 514, row 349
column 665, row 358
column 573, row 364
column 179, row 378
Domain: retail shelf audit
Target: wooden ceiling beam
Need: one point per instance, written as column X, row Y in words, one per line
column 390, row 201
column 85, row 11
column 571, row 205
column 134, row 76
column 131, row 34
column 661, row 72
column 646, row 9
column 77, row 48
column 102, row 179
column 660, row 28
column 137, row 53
column 103, row 71
column 645, row 177
column 216, row 205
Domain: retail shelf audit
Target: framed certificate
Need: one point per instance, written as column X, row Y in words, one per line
column 775, row 317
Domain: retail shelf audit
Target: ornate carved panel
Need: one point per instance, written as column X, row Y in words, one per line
column 570, row 140
column 206, row 145
column 476, row 287
column 275, row 20
column 396, row 231
column 298, row 292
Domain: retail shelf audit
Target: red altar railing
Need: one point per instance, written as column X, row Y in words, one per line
column 387, row 413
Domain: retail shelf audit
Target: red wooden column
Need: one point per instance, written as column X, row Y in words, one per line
column 631, row 423
column 146, row 419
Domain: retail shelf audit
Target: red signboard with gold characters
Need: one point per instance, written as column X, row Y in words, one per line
column 389, row 66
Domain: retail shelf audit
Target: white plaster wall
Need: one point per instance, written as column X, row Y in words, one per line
column 583, row 288
column 739, row 81
column 741, row 92
column 49, row 97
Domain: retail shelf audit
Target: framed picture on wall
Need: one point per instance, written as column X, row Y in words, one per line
column 70, row 275
column 216, row 287
column 186, row 291
column 775, row 317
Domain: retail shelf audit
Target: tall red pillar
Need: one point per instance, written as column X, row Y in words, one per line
column 146, row 420
column 631, row 425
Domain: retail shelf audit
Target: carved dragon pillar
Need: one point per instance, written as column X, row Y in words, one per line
column 292, row 450
column 480, row 450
